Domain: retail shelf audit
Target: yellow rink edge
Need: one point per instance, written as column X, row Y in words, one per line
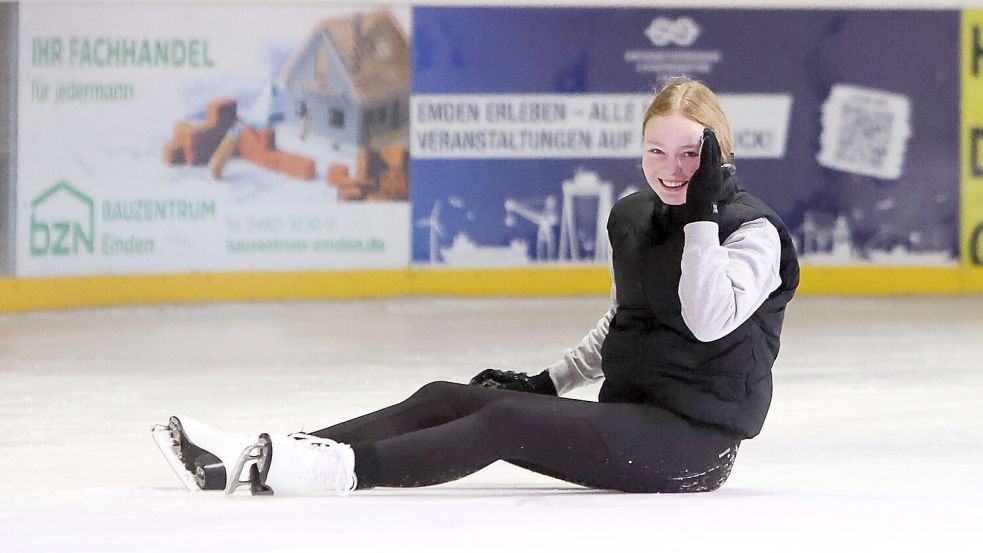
column 37, row 294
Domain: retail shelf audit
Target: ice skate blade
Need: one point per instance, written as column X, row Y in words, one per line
column 209, row 472
column 256, row 485
column 255, row 459
column 165, row 442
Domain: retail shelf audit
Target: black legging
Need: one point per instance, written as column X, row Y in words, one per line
column 446, row 431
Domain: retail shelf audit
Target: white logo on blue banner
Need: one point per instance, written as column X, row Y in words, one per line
column 664, row 31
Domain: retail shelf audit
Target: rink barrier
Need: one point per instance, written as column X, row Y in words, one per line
column 21, row 295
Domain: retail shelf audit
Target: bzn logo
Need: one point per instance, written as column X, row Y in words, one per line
column 62, row 222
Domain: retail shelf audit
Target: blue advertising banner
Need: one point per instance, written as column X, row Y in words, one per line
column 525, row 126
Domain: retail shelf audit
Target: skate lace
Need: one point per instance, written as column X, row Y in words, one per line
column 339, row 473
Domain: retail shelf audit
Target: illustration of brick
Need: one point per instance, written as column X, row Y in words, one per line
column 194, row 143
column 348, row 188
column 174, row 151
column 259, row 147
column 379, row 176
column 256, row 143
column 393, row 183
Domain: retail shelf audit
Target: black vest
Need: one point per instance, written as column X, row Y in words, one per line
column 650, row 355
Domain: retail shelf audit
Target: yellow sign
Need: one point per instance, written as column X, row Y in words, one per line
column 971, row 233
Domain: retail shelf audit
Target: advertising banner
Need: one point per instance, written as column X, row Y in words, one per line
column 526, row 126
column 180, row 137
column 972, row 134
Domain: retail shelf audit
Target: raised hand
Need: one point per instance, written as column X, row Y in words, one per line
column 706, row 183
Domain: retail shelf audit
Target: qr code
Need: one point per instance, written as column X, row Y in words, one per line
column 865, row 131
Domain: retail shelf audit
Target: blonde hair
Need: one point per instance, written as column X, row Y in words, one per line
column 697, row 102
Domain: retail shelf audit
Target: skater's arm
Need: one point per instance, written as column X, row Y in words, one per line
column 581, row 364
column 722, row 285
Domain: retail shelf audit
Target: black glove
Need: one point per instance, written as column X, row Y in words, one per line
column 520, row 382
column 706, row 183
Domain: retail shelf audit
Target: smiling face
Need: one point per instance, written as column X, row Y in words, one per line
column 672, row 155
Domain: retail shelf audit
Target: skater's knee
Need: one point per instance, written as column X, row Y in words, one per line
column 503, row 413
column 436, row 390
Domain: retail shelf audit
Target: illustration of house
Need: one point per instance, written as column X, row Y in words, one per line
column 349, row 83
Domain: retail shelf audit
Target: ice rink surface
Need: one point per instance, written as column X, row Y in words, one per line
column 874, row 441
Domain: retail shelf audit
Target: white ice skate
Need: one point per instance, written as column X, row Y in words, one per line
column 298, row 464
column 197, row 453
